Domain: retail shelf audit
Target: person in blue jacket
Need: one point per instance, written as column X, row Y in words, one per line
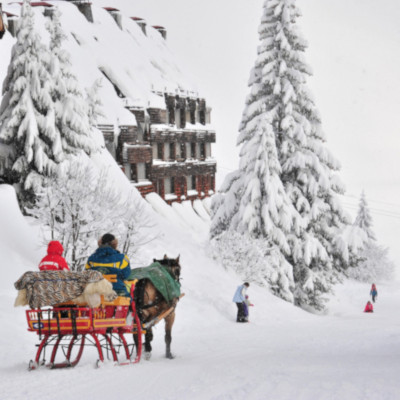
column 373, row 293
column 109, row 261
column 239, row 298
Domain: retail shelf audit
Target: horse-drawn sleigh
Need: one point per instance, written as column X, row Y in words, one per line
column 114, row 326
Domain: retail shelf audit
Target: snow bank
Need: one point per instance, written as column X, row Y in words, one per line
column 20, row 247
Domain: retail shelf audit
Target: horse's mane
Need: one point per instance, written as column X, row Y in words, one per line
column 169, row 262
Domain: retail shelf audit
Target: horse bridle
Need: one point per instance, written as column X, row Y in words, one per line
column 172, row 266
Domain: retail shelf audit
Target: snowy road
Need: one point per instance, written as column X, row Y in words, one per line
column 283, row 353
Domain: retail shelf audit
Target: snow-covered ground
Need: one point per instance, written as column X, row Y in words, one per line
column 283, row 353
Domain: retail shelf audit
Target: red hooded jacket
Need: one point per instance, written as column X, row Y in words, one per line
column 369, row 307
column 54, row 261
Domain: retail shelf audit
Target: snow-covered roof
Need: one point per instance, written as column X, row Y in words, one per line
column 139, row 65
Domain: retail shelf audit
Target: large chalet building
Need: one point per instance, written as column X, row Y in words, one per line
column 164, row 144
column 169, row 151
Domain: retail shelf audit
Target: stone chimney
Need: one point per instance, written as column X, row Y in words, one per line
column 12, row 21
column 162, row 30
column 115, row 14
column 86, row 9
column 141, row 22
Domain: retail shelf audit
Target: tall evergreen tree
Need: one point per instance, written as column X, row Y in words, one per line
column 71, row 110
column 26, row 112
column 255, row 204
column 280, row 100
column 363, row 219
column 308, row 168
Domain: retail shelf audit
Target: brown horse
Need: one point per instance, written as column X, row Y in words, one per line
column 152, row 307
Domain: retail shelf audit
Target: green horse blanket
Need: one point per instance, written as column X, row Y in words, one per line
column 161, row 278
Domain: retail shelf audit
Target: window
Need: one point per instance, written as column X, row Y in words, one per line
column 132, row 167
column 166, row 155
column 160, row 151
column 193, row 150
column 172, row 155
column 207, row 149
column 182, row 114
column 169, row 185
column 160, row 187
column 202, row 117
column 192, row 111
column 191, row 182
column 171, row 112
column 140, row 171
column 202, row 151
column 182, row 151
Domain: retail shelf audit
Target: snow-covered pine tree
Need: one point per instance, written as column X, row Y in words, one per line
column 27, row 110
column 280, row 106
column 363, row 219
column 225, row 203
column 72, row 115
column 373, row 263
column 308, row 168
column 94, row 102
column 255, row 204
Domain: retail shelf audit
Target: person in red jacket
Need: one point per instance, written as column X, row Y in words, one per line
column 369, row 307
column 54, row 260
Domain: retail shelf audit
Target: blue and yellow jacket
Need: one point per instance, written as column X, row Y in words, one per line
column 111, row 262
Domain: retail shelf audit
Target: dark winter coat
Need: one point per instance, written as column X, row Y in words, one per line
column 54, row 261
column 109, row 261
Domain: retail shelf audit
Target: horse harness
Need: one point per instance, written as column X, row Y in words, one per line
column 140, row 291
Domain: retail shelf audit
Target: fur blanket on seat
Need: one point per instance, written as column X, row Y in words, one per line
column 47, row 288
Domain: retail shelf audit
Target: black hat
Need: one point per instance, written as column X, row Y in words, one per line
column 107, row 238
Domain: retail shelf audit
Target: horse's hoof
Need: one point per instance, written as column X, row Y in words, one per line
column 170, row 356
column 147, row 356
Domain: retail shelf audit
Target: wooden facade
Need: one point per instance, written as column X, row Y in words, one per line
column 165, row 154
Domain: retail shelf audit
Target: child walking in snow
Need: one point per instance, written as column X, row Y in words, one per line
column 247, row 304
column 373, row 292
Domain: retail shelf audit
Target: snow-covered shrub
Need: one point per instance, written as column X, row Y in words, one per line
column 374, row 266
column 373, row 263
column 80, row 205
column 255, row 260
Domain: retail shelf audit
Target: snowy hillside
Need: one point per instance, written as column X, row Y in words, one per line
column 284, row 353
